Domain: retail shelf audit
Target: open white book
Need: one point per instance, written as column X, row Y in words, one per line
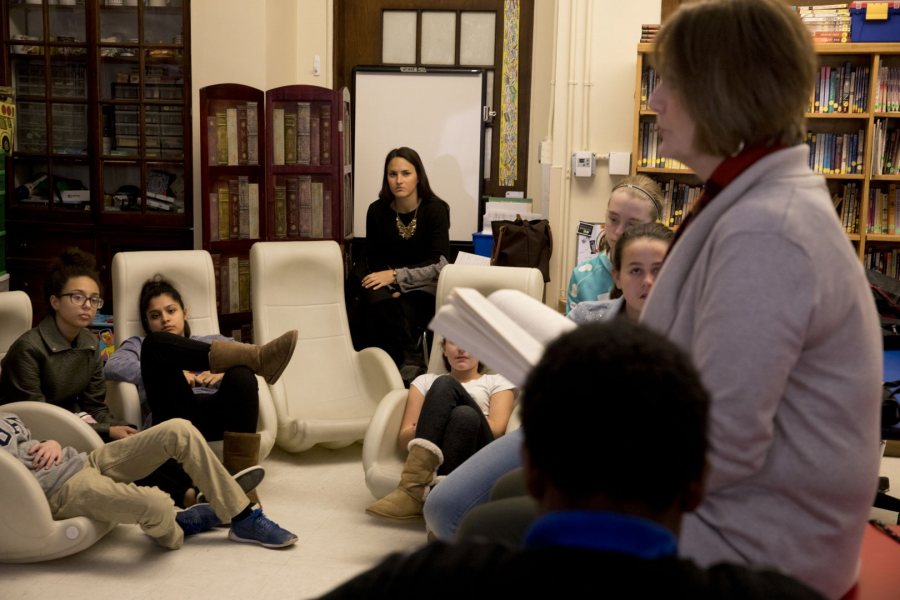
column 507, row 331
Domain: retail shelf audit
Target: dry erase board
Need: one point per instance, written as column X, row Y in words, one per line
column 436, row 112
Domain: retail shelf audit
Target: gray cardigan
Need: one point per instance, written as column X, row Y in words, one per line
column 766, row 294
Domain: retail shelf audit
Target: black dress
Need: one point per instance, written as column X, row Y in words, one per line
column 395, row 324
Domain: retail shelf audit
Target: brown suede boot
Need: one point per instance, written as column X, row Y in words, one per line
column 407, row 500
column 268, row 360
column 240, row 451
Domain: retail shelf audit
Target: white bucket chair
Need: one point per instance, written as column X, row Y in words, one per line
column 15, row 318
column 382, row 458
column 192, row 274
column 328, row 391
column 28, row 532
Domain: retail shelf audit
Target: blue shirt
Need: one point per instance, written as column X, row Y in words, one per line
column 589, row 280
column 602, row 531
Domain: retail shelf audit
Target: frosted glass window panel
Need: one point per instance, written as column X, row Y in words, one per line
column 476, row 38
column 438, row 38
column 398, row 34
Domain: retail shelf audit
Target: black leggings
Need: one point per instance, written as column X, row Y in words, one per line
column 454, row 422
column 234, row 407
column 395, row 324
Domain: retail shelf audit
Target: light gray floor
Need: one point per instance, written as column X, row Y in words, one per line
column 320, row 495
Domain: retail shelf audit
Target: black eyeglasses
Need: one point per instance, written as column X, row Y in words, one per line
column 79, row 299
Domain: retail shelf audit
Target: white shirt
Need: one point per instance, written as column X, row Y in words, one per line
column 480, row 389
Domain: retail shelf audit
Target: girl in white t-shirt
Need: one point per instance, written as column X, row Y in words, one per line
column 447, row 419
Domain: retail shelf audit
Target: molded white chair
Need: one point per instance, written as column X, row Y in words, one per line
column 382, row 458
column 192, row 274
column 15, row 318
column 328, row 391
column 28, row 532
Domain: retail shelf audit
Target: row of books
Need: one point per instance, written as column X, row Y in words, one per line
column 233, row 135
column 234, row 210
column 302, row 208
column 828, row 24
column 232, row 283
column 887, row 96
column 885, row 149
column 678, row 200
column 648, row 32
column 884, row 210
column 883, row 260
column 301, row 134
column 846, row 203
column 649, row 148
column 649, row 80
column 841, row 89
column 836, row 153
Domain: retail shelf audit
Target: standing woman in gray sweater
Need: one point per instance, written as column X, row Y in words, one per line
column 762, row 288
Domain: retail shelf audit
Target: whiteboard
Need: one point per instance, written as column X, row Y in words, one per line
column 437, row 113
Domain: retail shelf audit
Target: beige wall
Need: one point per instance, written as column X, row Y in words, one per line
column 592, row 109
column 271, row 43
column 260, row 43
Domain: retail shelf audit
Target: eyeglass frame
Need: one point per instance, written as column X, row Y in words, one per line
column 87, row 299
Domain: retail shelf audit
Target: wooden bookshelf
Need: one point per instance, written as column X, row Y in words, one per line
column 284, row 175
column 103, row 156
column 877, row 242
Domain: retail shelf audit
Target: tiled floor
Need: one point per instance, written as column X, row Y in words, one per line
column 320, row 495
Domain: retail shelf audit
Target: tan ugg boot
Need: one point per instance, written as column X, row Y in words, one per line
column 407, row 500
column 268, row 360
column 240, row 451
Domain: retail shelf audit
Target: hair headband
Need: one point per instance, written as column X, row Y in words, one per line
column 650, row 197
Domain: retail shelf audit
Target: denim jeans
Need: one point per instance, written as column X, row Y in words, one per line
column 470, row 484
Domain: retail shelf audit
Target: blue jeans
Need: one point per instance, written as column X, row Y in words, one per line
column 470, row 484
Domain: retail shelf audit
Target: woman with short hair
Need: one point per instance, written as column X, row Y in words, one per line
column 764, row 291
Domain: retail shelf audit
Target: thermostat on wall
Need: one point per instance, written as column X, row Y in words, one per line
column 584, row 163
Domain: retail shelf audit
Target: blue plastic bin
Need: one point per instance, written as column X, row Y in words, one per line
column 484, row 243
column 862, row 30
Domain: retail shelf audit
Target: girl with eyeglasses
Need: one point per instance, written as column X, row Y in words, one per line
column 59, row 361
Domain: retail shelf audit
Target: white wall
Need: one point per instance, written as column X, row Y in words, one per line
column 260, row 43
column 271, row 43
column 589, row 110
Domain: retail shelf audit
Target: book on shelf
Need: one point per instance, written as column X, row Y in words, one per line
column 278, row 136
column 244, row 202
column 253, row 192
column 303, row 126
column 314, row 134
column 280, row 232
column 326, row 226
column 234, row 209
column 217, row 273
column 305, row 206
column 293, row 207
column 242, row 134
column 213, row 217
column 224, row 211
column 221, row 148
column 252, row 134
column 244, row 284
column 318, row 210
column 290, row 138
column 234, row 284
column 231, row 135
column 508, row 330
column 324, row 134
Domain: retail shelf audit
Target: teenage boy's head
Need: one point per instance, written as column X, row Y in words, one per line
column 615, row 419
